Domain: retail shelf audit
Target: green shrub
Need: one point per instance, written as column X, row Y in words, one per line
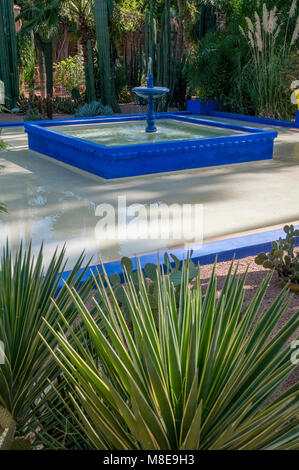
column 249, row 65
column 93, row 109
column 65, row 105
column 70, row 73
column 282, row 257
column 199, row 376
column 215, row 71
column 33, row 114
column 271, row 70
column 122, row 89
column 24, row 104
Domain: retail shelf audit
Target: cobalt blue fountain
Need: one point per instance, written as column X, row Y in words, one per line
column 149, row 93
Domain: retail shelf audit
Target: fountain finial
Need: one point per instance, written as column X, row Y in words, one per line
column 150, row 66
column 150, row 76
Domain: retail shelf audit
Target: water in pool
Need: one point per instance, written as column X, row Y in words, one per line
column 132, row 133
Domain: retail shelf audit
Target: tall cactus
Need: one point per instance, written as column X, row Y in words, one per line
column 207, row 20
column 9, row 57
column 162, row 48
column 90, row 86
column 108, row 95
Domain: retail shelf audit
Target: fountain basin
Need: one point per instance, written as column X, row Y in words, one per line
column 155, row 92
column 186, row 142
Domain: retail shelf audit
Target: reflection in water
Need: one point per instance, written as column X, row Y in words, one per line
column 130, row 133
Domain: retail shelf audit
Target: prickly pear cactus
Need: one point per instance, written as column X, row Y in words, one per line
column 283, row 257
column 171, row 267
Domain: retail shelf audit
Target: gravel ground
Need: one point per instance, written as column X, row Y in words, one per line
column 129, row 108
column 10, row 117
column 255, row 276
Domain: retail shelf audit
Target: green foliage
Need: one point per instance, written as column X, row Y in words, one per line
column 199, row 376
column 93, row 109
column 42, row 18
column 70, row 73
column 9, row 57
column 248, row 73
column 270, row 70
column 2, row 146
column 26, row 58
column 24, row 104
column 172, row 267
column 215, row 70
column 26, row 292
column 33, row 114
column 282, row 256
column 129, row 15
column 65, row 105
column 123, row 91
column 161, row 44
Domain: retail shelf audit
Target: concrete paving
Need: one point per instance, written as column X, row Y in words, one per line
column 55, row 203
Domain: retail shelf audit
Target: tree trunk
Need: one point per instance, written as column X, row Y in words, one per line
column 47, row 49
column 207, row 20
column 48, row 52
column 42, row 73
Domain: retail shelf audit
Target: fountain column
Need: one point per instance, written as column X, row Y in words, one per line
column 150, row 114
column 149, row 93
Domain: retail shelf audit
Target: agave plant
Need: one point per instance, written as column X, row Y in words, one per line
column 26, row 290
column 93, row 109
column 202, row 377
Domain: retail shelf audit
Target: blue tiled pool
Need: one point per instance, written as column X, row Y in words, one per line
column 117, row 147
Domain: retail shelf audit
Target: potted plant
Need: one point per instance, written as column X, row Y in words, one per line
column 283, row 258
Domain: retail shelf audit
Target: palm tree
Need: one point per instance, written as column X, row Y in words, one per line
column 82, row 11
column 42, row 17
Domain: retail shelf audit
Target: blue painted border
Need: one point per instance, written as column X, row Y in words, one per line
column 211, row 109
column 243, row 117
column 205, row 254
column 133, row 160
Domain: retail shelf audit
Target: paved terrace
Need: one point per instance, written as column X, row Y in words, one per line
column 52, row 202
